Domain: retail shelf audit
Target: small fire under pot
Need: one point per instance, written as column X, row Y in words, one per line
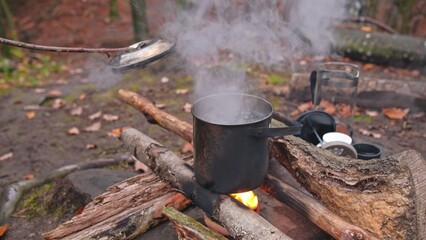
column 231, row 133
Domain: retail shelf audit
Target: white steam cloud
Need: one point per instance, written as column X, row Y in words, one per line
column 265, row 32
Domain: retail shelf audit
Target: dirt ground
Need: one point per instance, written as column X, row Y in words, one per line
column 41, row 143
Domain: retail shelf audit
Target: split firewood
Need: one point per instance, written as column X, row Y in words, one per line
column 240, row 222
column 189, row 228
column 335, row 225
column 385, row 196
column 125, row 210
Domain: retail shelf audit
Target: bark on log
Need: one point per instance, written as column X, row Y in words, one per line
column 384, row 196
column 178, row 173
column 381, row 48
column 335, row 225
column 189, row 228
column 125, row 210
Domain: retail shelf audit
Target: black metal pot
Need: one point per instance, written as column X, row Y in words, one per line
column 230, row 141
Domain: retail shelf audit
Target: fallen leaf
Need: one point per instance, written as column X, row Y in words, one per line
column 28, row 176
column 328, row 107
column 61, row 81
column 415, row 73
column 79, row 210
column 58, row 103
column 187, row 107
column 110, row 117
column 372, row 113
column 368, row 133
column 160, row 105
column 182, row 91
column 39, row 90
column 368, row 67
column 140, row 166
column 6, row 156
column 82, row 97
column 294, row 113
column 164, row 80
column 304, row 106
column 366, row 28
column 30, row 115
column 395, row 113
column 186, row 148
column 55, row 93
column 116, row 132
column 73, row 131
column 3, row 229
column 94, row 127
column 95, row 115
column 91, row 146
column 77, row 111
column 345, row 110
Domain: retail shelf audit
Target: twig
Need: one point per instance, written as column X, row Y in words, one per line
column 373, row 21
column 10, row 195
column 61, row 49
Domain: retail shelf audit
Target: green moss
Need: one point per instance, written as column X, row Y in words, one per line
column 184, row 82
column 276, row 79
column 34, row 203
column 363, row 119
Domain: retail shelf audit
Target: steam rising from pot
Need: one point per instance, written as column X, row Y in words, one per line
column 212, row 34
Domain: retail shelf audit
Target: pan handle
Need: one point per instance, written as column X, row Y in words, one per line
column 277, row 132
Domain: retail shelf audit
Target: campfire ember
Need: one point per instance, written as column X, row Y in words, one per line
column 248, row 198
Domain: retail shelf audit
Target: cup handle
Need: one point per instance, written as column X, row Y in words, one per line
column 313, row 82
column 276, row 132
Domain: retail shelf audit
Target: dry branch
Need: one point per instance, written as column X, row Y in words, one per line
column 189, row 228
column 126, row 210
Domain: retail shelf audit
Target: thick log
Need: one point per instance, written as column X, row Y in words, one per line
column 330, row 222
column 384, row 196
column 125, row 210
column 223, row 208
column 189, row 228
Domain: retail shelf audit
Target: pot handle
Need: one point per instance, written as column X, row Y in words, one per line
column 277, row 132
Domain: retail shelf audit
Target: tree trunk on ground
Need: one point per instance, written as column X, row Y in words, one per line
column 125, row 210
column 384, row 196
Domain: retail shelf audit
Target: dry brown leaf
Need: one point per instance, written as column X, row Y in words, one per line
column 116, row 132
column 304, row 106
column 28, row 176
column 79, row 210
column 3, row 229
column 366, row 28
column 187, row 107
column 6, row 156
column 182, row 91
column 294, row 113
column 58, row 103
column 94, row 127
column 368, row 67
column 73, row 131
column 415, row 73
column 91, row 146
column 95, row 115
column 187, row 148
column 328, row 107
column 345, row 110
column 77, row 111
column 55, row 93
column 82, row 97
column 110, row 117
column 30, row 115
column 160, row 105
column 395, row 113
column 366, row 132
column 372, row 113
column 39, row 90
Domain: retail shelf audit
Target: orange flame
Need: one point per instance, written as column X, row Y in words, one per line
column 247, row 198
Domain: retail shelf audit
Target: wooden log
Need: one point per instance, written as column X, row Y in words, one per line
column 125, row 210
column 384, row 196
column 240, row 222
column 181, row 128
column 335, row 226
column 189, row 228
